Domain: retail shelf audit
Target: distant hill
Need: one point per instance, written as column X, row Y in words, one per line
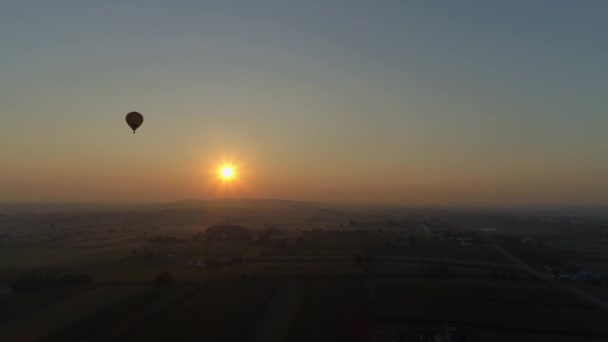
column 244, row 204
column 36, row 207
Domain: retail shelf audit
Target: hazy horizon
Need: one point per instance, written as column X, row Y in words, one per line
column 421, row 103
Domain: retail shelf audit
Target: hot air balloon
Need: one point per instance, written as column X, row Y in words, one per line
column 134, row 120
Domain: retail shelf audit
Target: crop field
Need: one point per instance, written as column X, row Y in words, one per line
column 198, row 248
column 507, row 290
column 16, row 305
column 484, row 335
column 292, row 269
column 337, row 242
column 139, row 269
column 59, row 257
column 333, row 309
column 8, row 274
column 598, row 291
column 220, row 311
column 448, row 250
column 402, row 269
column 510, row 305
column 596, row 247
column 307, row 274
column 425, row 269
column 104, row 321
column 43, row 322
column 506, row 316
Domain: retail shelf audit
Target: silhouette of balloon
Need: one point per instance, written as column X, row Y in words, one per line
column 134, row 120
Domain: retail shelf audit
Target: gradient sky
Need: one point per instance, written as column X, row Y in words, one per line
column 401, row 102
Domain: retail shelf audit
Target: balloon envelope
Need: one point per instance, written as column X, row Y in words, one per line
column 134, row 120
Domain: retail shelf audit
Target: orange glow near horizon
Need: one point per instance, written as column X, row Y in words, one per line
column 227, row 179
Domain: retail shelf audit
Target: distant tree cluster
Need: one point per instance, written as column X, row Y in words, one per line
column 266, row 234
column 36, row 281
column 227, row 232
column 166, row 239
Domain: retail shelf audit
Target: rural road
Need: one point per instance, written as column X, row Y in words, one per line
column 580, row 294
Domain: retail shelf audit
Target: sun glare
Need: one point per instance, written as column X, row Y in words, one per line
column 227, row 172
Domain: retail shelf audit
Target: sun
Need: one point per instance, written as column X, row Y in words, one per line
column 226, row 172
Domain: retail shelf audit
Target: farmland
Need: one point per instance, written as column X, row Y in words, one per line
column 297, row 272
